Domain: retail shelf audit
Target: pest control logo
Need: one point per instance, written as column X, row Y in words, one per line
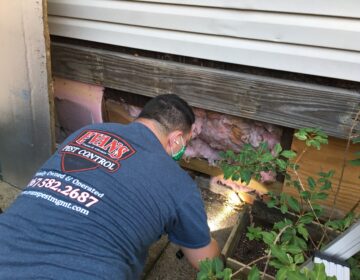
column 93, row 149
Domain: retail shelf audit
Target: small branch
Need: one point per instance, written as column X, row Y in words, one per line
column 248, row 265
column 356, row 205
column 301, row 155
column 312, row 210
column 346, row 152
column 269, row 254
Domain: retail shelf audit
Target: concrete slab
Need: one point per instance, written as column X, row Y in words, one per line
column 8, row 193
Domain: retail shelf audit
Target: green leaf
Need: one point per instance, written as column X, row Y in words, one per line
column 318, row 272
column 301, row 135
column 254, row 233
column 294, row 166
column 297, row 185
column 299, row 242
column 271, row 203
column 305, row 194
column 306, row 219
column 254, row 274
column 218, row 265
column 319, row 196
column 245, row 176
column 288, row 154
column 268, row 237
column 219, row 275
column 321, row 139
column 355, row 162
column 283, row 208
column 334, row 224
column 202, row 275
column 287, row 235
column 266, row 157
column 325, row 186
column 275, row 263
column 281, row 274
column 293, row 203
column 205, row 265
column 279, row 254
column 299, row 258
column 293, row 249
column 303, row 231
column 313, row 143
column 296, row 275
column 281, row 163
column 277, row 149
column 311, row 182
column 280, row 225
column 318, row 209
column 227, row 273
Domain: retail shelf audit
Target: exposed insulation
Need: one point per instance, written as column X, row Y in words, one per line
column 214, row 132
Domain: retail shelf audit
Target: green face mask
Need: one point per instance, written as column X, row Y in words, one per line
column 177, row 156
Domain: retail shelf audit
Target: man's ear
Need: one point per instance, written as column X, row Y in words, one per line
column 171, row 139
column 174, row 136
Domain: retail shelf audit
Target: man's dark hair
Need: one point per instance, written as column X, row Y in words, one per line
column 172, row 112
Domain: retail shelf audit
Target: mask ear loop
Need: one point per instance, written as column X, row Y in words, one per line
column 177, row 143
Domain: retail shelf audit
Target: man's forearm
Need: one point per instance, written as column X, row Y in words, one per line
column 194, row 256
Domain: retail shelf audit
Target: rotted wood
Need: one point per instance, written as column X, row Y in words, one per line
column 278, row 101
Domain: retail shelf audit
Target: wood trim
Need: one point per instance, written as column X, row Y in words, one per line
column 282, row 102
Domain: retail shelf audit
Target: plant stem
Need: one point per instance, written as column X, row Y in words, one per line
column 310, row 204
column 301, row 155
column 356, row 205
column 346, row 152
column 269, row 254
column 248, row 265
column 355, row 122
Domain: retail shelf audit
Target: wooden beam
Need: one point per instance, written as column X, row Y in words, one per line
column 282, row 102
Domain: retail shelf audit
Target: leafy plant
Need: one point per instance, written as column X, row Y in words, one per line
column 213, row 269
column 354, row 264
column 288, row 240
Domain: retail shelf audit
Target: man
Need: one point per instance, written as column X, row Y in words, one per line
column 107, row 194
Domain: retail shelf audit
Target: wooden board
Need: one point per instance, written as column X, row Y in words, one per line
column 287, row 103
column 331, row 157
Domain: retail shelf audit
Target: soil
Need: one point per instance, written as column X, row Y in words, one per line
column 250, row 250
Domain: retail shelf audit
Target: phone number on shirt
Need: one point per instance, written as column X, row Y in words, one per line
column 56, row 186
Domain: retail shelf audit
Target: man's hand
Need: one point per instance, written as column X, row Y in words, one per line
column 194, row 256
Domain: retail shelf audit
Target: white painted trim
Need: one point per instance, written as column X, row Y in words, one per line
column 340, row 33
column 294, row 58
column 344, row 8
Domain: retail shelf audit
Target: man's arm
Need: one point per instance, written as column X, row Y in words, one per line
column 195, row 255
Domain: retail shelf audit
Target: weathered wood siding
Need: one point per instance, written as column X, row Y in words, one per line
column 287, row 103
column 312, row 37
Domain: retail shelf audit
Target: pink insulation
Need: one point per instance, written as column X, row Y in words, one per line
column 220, row 132
column 214, row 132
column 88, row 97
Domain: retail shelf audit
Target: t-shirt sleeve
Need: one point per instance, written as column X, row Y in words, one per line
column 190, row 228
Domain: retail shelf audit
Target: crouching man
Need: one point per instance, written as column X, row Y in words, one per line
column 110, row 191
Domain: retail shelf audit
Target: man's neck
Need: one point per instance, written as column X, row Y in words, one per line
column 154, row 127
